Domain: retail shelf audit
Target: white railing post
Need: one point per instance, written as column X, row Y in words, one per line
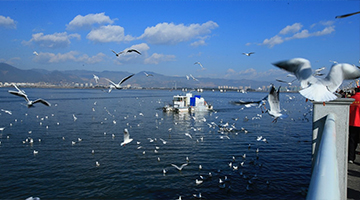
column 324, row 182
column 341, row 108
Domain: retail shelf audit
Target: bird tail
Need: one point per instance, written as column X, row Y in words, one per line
column 318, row 92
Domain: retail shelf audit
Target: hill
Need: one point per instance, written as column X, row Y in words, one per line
column 10, row 73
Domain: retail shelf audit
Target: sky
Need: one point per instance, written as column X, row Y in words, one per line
column 173, row 35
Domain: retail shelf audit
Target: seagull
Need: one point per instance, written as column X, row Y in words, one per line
column 179, row 168
column 187, row 134
column 35, row 53
column 118, row 86
column 75, row 118
column 319, row 89
column 198, row 182
column 163, row 141
column 347, row 15
column 127, row 138
column 22, row 93
column 147, row 75
column 126, row 51
column 198, row 63
column 96, row 78
column 193, row 78
column 248, row 54
column 7, row 111
column 274, row 103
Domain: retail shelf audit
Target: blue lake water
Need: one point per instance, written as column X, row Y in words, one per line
column 62, row 170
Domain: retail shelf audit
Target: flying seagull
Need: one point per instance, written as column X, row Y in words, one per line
column 198, row 63
column 22, row 93
column 248, row 54
column 179, row 168
column 35, row 53
column 147, row 75
column 127, row 138
column 118, row 86
column 96, row 78
column 274, row 103
column 319, row 89
column 126, row 51
column 193, row 78
column 347, row 15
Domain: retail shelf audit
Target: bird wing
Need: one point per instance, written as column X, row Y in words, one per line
column 114, row 52
column 110, row 81
column 126, row 135
column 20, row 94
column 347, row 15
column 176, row 166
column 338, row 73
column 134, row 50
column 183, row 165
column 126, row 78
column 301, row 68
column 42, row 101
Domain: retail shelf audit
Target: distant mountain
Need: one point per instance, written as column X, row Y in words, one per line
column 9, row 73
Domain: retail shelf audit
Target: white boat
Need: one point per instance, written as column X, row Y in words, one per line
column 188, row 103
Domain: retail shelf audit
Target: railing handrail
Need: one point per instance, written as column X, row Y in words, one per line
column 324, row 182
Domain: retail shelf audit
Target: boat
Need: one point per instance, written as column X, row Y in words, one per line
column 187, row 103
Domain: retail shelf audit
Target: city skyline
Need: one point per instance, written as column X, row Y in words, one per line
column 173, row 36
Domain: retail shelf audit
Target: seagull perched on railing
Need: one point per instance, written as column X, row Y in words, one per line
column 126, row 51
column 22, row 93
column 118, row 86
column 319, row 89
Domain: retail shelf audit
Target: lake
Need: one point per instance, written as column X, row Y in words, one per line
column 64, row 166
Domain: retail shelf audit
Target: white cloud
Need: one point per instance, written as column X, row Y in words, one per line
column 157, row 58
column 109, row 33
column 295, row 29
column 88, row 20
column 56, row 40
column 291, row 29
column 273, row 41
column 7, row 22
column 46, row 57
column 170, row 33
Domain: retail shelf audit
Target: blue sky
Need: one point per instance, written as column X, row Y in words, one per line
column 173, row 35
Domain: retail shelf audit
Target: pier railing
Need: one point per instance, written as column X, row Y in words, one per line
column 324, row 182
column 329, row 150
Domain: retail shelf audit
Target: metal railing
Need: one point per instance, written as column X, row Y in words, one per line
column 325, row 182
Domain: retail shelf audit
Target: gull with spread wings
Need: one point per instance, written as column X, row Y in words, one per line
column 126, row 51
column 118, row 86
column 22, row 93
column 315, row 88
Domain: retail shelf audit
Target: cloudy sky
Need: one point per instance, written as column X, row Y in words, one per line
column 173, row 35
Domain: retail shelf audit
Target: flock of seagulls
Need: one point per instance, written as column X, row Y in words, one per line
column 226, row 130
